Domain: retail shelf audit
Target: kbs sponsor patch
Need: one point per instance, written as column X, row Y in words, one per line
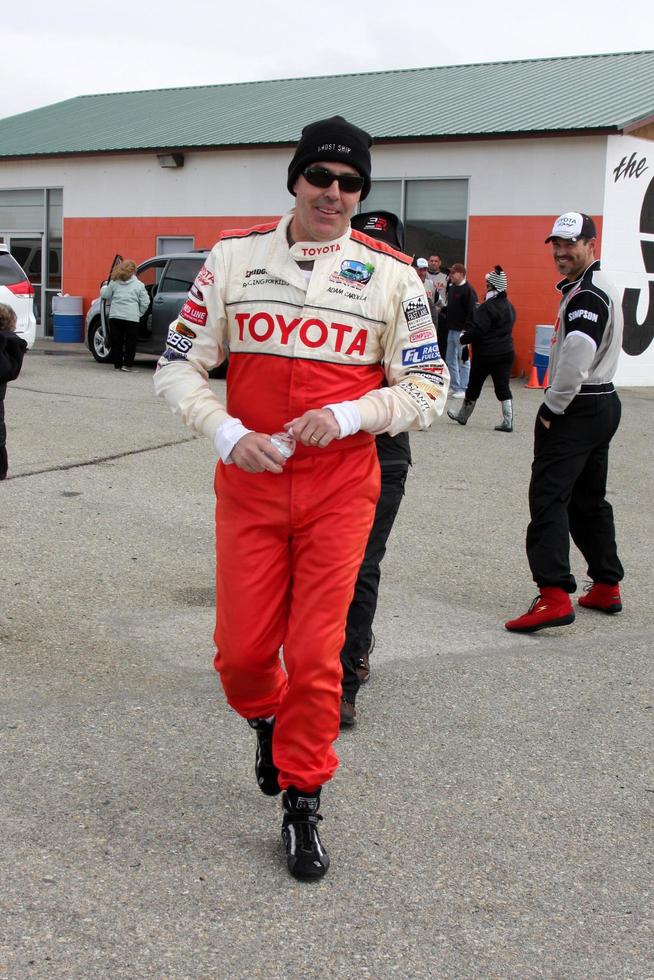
column 173, row 355
column 177, row 342
column 196, row 314
column 416, row 312
column 204, row 277
column 416, row 355
column 184, row 330
column 427, row 333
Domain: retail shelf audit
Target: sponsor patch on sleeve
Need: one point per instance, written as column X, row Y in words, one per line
column 194, row 313
column 425, row 333
column 431, row 376
column 173, row 355
column 417, row 355
column 204, row 278
column 417, row 312
column 417, row 396
column 177, row 342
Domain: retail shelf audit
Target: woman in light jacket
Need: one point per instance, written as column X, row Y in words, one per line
column 129, row 301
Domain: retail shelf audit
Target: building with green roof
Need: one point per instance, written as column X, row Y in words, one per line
column 477, row 159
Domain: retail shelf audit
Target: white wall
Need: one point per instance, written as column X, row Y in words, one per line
column 622, row 256
column 513, row 177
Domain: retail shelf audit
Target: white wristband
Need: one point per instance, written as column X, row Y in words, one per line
column 227, row 435
column 348, row 416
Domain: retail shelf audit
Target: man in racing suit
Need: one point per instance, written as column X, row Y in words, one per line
column 574, row 427
column 309, row 310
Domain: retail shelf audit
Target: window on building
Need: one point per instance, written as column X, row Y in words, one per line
column 166, row 245
column 436, row 216
column 385, row 195
column 434, row 213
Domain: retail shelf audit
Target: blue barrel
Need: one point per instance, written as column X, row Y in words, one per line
column 67, row 319
column 542, row 349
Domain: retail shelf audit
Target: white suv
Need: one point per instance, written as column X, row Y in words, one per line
column 16, row 291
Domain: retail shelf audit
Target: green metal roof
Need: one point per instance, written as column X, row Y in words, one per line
column 605, row 92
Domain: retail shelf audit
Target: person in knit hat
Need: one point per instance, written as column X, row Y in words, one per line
column 491, row 340
column 330, row 343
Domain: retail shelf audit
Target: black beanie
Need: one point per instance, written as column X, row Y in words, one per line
column 332, row 139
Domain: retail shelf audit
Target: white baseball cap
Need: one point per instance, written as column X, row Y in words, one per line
column 572, row 226
column 422, row 263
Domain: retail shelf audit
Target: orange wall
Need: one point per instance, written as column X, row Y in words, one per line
column 91, row 243
column 517, row 244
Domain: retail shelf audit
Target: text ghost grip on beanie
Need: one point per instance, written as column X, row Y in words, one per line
column 333, row 139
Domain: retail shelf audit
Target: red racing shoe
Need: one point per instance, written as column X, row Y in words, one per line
column 605, row 598
column 551, row 608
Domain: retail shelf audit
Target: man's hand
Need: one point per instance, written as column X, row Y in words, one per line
column 317, row 427
column 255, row 453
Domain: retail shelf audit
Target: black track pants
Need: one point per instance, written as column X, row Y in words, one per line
column 567, row 494
column 358, row 630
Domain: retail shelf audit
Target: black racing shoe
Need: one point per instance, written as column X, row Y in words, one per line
column 264, row 768
column 306, row 857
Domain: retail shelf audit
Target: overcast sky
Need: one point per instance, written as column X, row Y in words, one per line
column 58, row 49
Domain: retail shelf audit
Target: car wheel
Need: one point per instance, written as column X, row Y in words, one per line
column 99, row 342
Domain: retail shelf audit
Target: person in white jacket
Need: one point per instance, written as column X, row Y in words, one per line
column 129, row 301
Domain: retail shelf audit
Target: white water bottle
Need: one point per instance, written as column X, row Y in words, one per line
column 283, row 443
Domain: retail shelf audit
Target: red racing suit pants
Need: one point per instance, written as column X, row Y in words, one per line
column 288, row 550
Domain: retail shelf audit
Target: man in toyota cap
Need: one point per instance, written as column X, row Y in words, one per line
column 315, row 316
column 574, row 427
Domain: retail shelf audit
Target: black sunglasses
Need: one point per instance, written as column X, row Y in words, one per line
column 321, row 177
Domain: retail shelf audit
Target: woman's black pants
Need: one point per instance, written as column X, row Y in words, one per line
column 499, row 368
column 123, row 341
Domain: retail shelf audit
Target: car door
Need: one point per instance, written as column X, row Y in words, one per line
column 150, row 273
column 178, row 277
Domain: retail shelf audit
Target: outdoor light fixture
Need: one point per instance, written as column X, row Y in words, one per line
column 170, row 159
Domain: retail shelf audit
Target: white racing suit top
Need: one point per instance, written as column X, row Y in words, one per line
column 295, row 345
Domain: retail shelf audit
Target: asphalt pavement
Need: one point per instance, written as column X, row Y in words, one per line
column 492, row 814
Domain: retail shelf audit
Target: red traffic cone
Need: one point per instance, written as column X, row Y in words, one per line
column 533, row 379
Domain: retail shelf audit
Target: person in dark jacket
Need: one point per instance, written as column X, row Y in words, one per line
column 461, row 300
column 394, row 454
column 12, row 349
column 490, row 337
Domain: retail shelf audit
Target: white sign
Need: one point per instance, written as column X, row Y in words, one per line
column 628, row 250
